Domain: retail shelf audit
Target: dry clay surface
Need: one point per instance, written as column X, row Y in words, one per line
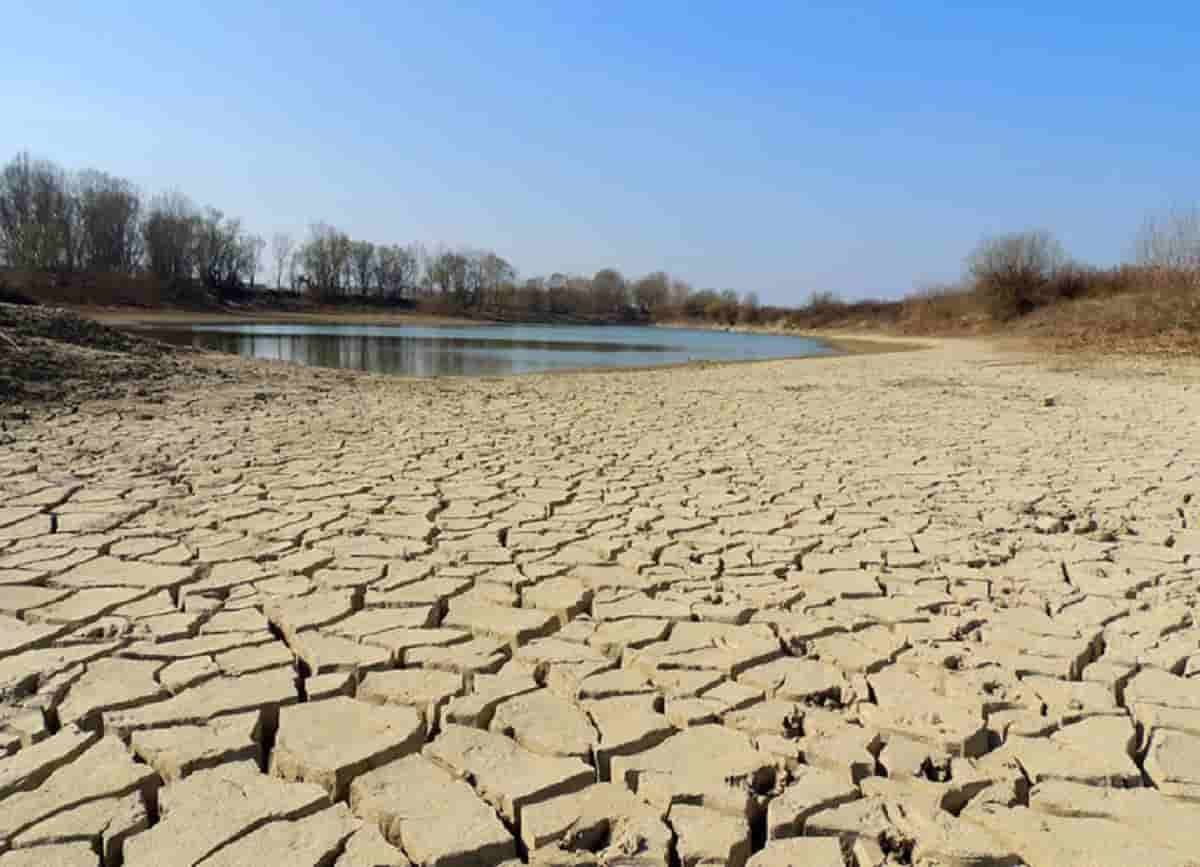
column 928, row 608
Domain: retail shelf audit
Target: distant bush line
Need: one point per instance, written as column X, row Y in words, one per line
column 1027, row 283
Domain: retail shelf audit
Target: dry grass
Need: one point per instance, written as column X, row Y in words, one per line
column 826, row 310
column 1126, row 310
column 1163, row 321
column 942, row 310
column 86, row 287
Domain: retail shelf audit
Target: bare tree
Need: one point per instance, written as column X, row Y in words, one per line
column 652, row 291
column 495, row 274
column 295, row 270
column 325, row 257
column 109, row 210
column 1170, row 240
column 362, row 265
column 749, row 311
column 608, row 291
column 677, row 295
column 220, row 255
column 396, row 269
column 35, row 215
column 557, row 291
column 449, row 273
column 282, row 247
column 729, row 306
column 701, row 304
column 168, row 236
column 409, row 262
column 1010, row 272
column 531, row 295
column 251, row 248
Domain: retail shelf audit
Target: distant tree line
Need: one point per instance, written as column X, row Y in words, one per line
column 331, row 266
column 60, row 222
column 52, row 220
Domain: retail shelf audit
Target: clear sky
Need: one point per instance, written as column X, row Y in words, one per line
column 780, row 147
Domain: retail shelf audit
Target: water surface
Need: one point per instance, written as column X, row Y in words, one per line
column 486, row 349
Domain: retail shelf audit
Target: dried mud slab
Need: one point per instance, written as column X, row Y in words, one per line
column 934, row 608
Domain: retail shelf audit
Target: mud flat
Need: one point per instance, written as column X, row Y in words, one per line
column 931, row 607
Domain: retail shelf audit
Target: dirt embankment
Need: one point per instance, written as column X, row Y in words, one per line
column 48, row 353
column 1158, row 321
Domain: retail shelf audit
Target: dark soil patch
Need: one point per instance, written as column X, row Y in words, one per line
column 48, row 354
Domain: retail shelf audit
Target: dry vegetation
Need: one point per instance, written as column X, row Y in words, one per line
column 1025, row 285
column 1120, row 309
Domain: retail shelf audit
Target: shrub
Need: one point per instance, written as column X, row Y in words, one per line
column 933, row 307
column 1011, row 272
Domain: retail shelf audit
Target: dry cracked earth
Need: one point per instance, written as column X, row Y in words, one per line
column 930, row 608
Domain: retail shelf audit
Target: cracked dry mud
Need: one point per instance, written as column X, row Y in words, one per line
column 893, row 609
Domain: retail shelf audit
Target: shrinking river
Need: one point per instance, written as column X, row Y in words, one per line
column 486, row 350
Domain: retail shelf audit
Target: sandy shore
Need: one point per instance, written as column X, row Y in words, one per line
column 939, row 604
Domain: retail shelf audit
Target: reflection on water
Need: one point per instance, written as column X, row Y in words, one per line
column 485, row 350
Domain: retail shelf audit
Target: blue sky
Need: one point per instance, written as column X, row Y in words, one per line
column 779, row 147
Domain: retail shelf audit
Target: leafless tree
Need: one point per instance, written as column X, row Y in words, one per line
column 168, row 234
column 749, row 309
column 652, row 291
column 608, row 291
column 325, row 257
column 282, row 247
column 109, row 210
column 218, row 252
column 495, row 274
column 295, row 269
column 531, row 295
column 557, row 291
column 396, row 269
column 36, row 211
column 251, row 248
column 677, row 295
column 362, row 265
column 1010, row 271
column 1170, row 240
